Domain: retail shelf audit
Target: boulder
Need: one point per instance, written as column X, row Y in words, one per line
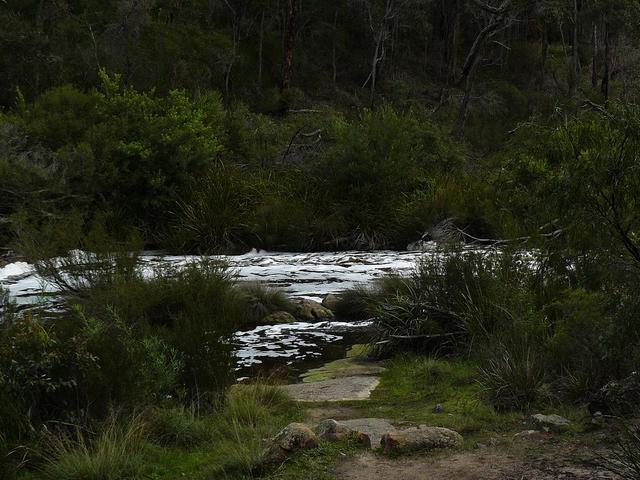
column 331, row 302
column 277, row 318
column 292, row 438
column 374, row 428
column 334, row 431
column 553, row 422
column 421, row 438
column 312, row 311
column 618, row 397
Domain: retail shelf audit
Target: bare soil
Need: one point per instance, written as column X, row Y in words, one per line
column 524, row 461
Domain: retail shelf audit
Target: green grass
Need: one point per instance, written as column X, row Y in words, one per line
column 115, row 453
column 179, row 443
column 412, row 386
column 174, row 443
column 317, row 464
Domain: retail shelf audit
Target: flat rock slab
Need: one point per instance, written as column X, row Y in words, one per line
column 334, row 390
column 345, row 367
column 374, row 427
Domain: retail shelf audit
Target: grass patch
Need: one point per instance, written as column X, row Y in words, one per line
column 412, row 386
column 115, row 453
column 316, row 464
column 175, row 443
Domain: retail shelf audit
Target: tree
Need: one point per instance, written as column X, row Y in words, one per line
column 492, row 19
column 292, row 9
column 380, row 15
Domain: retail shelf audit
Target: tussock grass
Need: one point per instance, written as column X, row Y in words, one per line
column 261, row 300
column 624, row 460
column 115, row 453
column 513, row 377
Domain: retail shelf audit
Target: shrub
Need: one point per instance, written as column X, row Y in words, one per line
column 78, row 367
column 192, row 308
column 456, row 299
column 116, row 452
column 513, row 376
column 595, row 339
column 217, row 215
column 624, row 460
column 181, row 426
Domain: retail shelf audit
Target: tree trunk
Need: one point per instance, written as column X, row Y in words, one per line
column 453, row 51
column 606, row 77
column 334, row 60
column 576, row 59
column 378, row 55
column 289, row 44
column 543, row 57
column 260, row 49
column 594, row 56
column 461, row 120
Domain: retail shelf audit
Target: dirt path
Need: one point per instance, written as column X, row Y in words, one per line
column 554, row 462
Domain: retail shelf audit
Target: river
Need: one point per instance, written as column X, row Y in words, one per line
column 262, row 350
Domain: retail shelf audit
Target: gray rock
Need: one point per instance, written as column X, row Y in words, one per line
column 292, row 438
column 375, row 428
column 331, row 302
column 531, row 435
column 277, row 318
column 334, row 431
column 438, row 408
column 333, row 390
column 553, row 422
column 311, row 311
column 421, row 438
column 597, row 420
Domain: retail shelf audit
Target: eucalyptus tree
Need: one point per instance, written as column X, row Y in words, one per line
column 491, row 19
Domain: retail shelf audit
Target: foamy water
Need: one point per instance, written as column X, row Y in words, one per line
column 306, row 275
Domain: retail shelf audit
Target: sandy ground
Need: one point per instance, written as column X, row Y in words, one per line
column 520, row 462
column 462, row 466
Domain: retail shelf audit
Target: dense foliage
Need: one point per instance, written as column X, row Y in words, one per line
column 219, row 126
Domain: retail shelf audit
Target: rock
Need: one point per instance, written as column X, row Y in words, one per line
column 597, row 420
column 492, row 442
column 420, row 246
column 619, row 397
column 421, row 438
column 374, row 428
column 531, row 435
column 344, row 367
column 335, row 390
column 278, row 318
column 334, row 431
column 438, row 408
column 312, row 311
column 292, row 438
column 331, row 302
column 553, row 422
